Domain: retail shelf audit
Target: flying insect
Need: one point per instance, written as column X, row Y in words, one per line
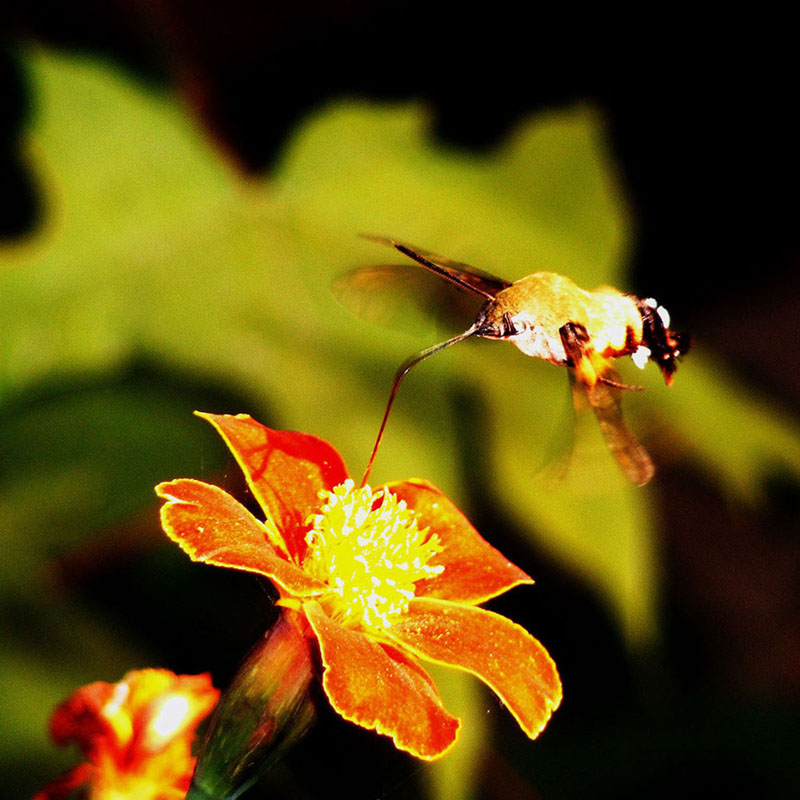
column 547, row 316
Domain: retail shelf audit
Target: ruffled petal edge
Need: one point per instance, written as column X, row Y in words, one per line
column 501, row 653
column 213, row 527
column 379, row 687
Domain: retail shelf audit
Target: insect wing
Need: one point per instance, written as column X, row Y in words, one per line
column 469, row 278
column 606, row 402
column 404, row 298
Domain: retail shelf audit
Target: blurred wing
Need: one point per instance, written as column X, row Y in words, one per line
column 399, row 296
column 470, row 279
column 592, row 376
column 605, row 400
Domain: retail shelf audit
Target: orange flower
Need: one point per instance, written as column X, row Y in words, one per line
column 383, row 578
column 136, row 736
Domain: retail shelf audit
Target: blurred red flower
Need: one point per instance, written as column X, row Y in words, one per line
column 381, row 579
column 136, row 736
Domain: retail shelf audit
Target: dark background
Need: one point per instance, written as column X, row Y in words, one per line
column 701, row 113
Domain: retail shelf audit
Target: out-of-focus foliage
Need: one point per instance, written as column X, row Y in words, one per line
column 152, row 250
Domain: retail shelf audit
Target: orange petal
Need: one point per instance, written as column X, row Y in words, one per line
column 80, row 719
column 501, row 653
column 285, row 470
column 474, row 571
column 378, row 687
column 213, row 527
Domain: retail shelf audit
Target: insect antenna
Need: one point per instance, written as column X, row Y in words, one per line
column 398, row 377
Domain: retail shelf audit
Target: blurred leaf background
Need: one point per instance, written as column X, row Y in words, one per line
column 181, row 188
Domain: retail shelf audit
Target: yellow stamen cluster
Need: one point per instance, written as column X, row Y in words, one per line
column 370, row 551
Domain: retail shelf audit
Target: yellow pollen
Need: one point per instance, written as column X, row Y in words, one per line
column 368, row 548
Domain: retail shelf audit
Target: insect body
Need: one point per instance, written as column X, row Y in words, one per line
column 548, row 316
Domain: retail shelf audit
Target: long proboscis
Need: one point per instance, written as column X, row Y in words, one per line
column 398, row 377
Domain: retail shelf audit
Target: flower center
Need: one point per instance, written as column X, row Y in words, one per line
column 370, row 551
